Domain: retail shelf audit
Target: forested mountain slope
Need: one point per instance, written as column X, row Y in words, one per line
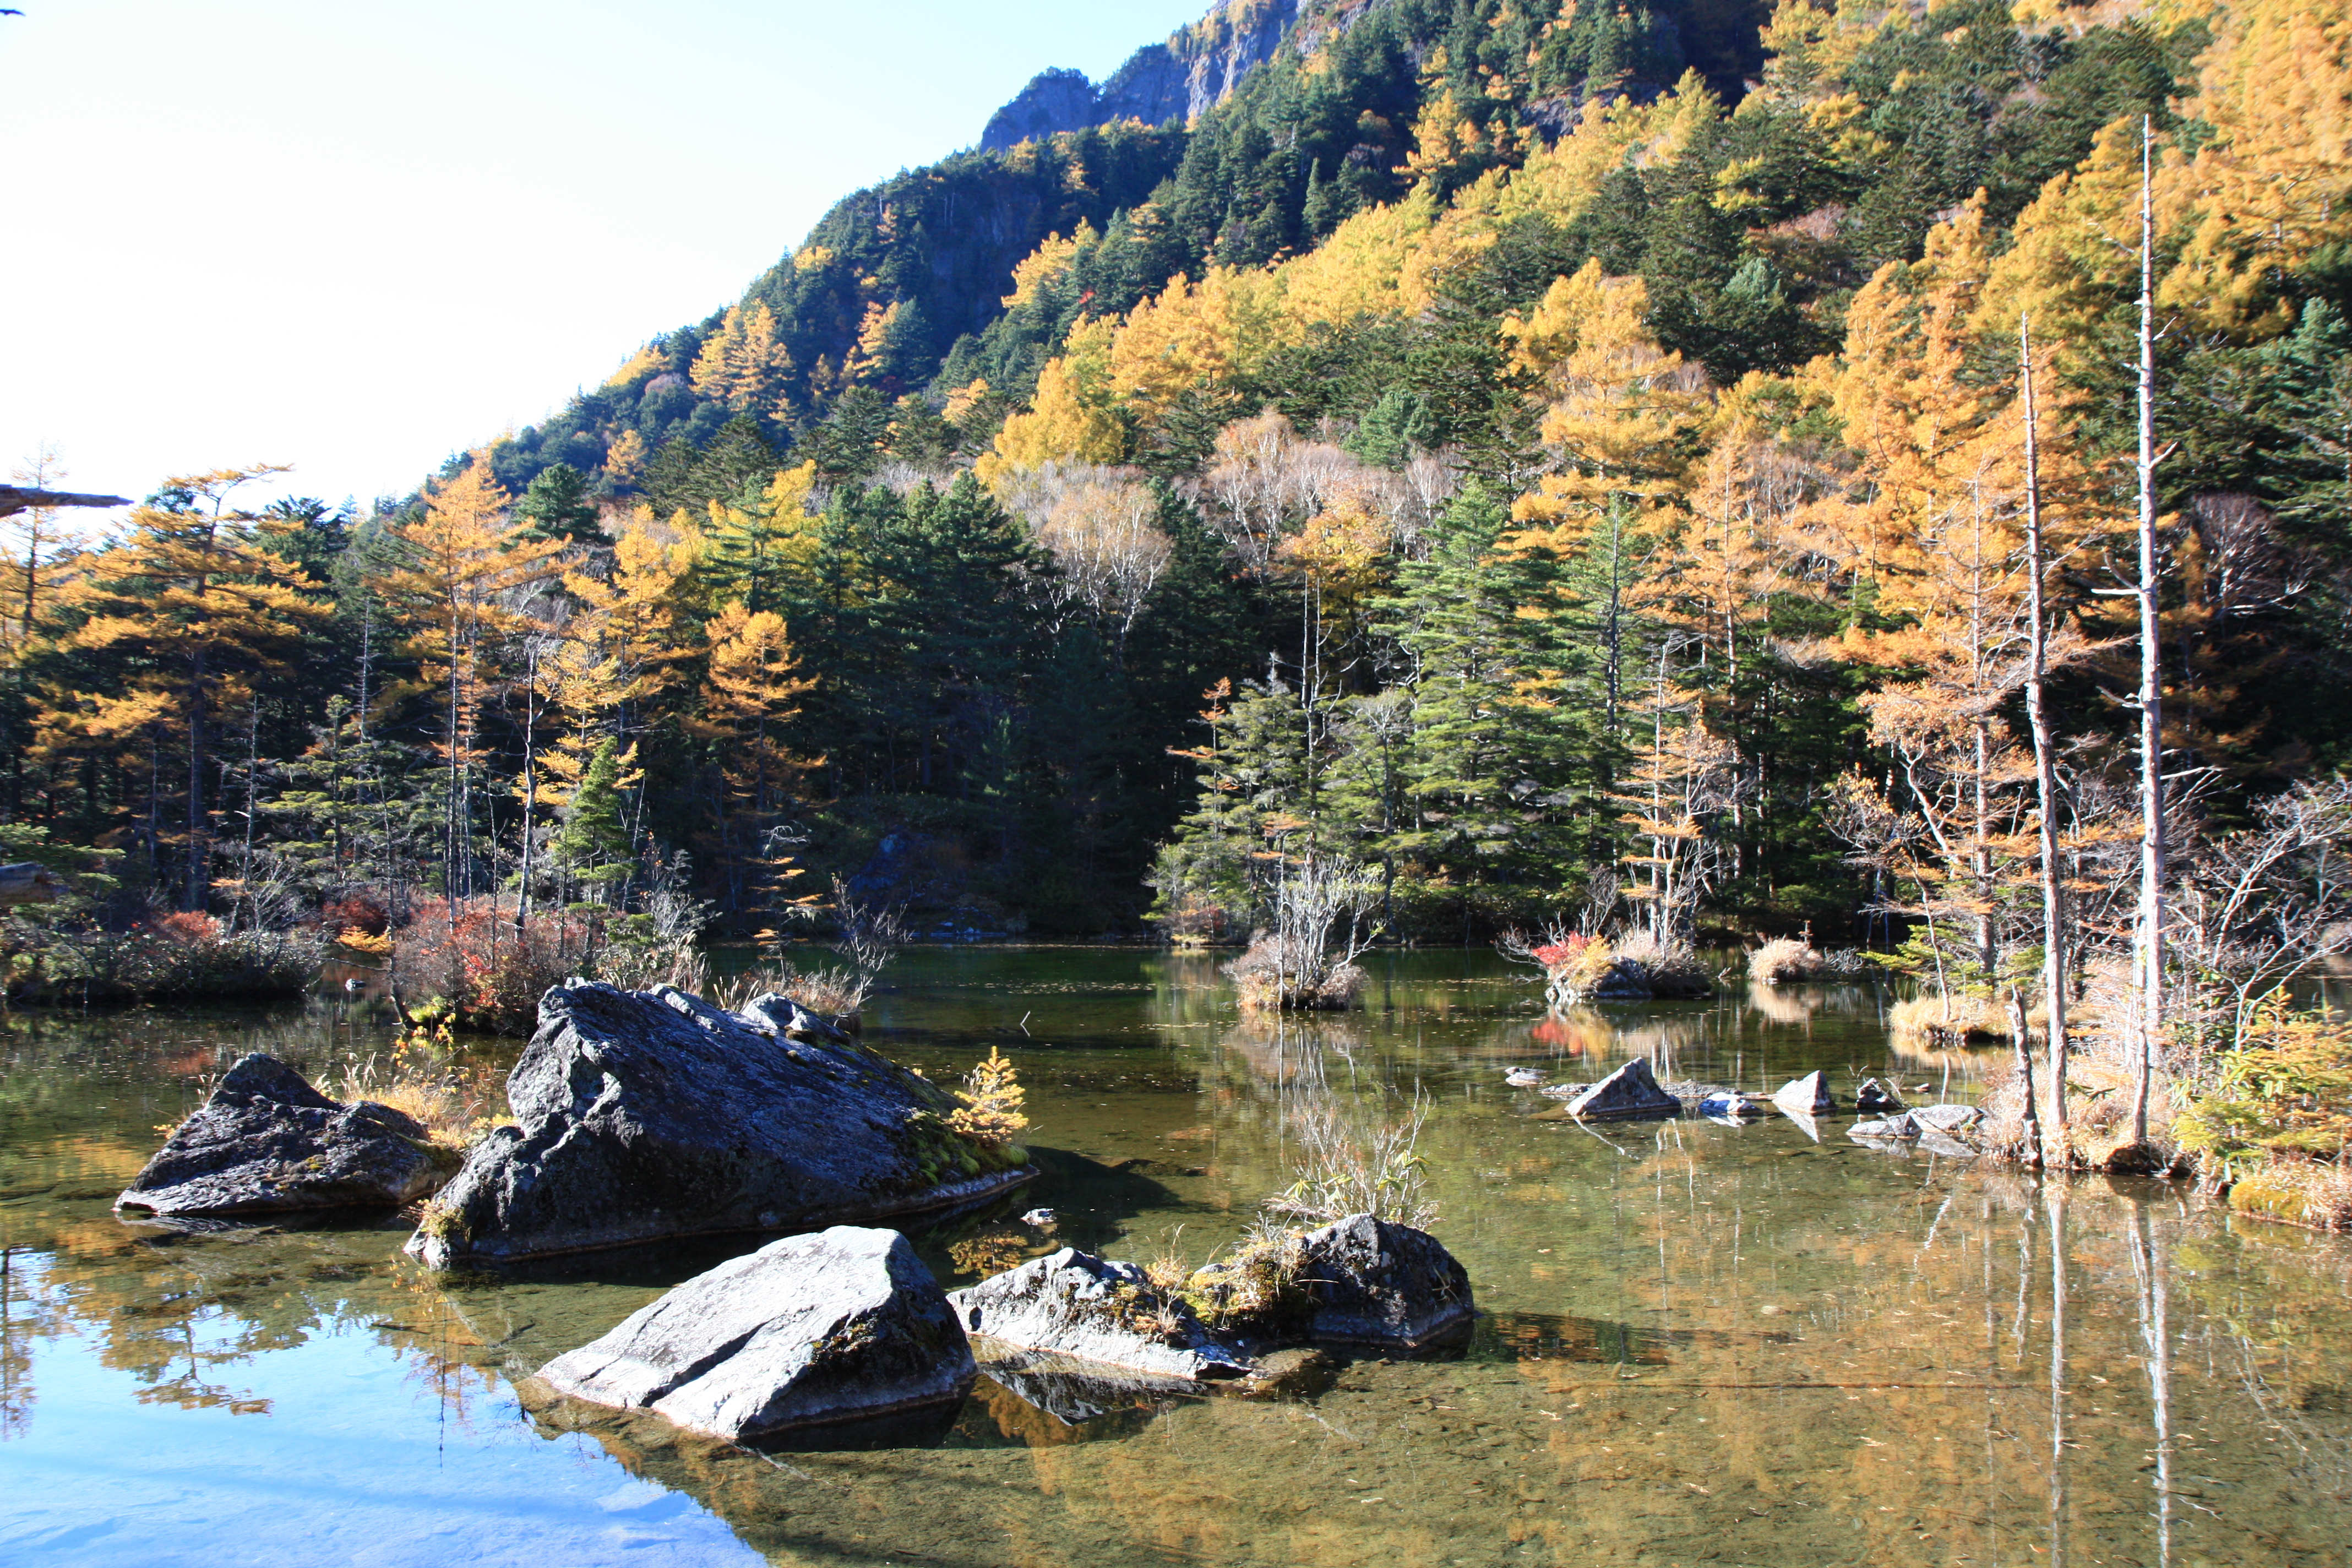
column 1527, row 454
column 1303, row 118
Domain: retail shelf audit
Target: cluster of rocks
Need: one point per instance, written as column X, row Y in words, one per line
column 848, row 1325
column 640, row 1116
column 1633, row 1091
column 646, row 1116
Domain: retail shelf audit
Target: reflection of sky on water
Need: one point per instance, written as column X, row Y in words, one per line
column 1701, row 1339
column 353, row 1463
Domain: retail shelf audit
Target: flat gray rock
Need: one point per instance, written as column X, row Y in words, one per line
column 840, row 1325
column 267, row 1141
column 1733, row 1105
column 646, row 1115
column 1936, row 1128
column 1948, row 1118
column 1891, row 1130
column 1631, row 1091
column 1375, row 1281
column 1079, row 1307
column 1806, row 1096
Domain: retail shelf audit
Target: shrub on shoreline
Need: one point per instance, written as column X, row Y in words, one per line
column 182, row 959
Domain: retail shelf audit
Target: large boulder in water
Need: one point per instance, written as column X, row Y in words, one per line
column 646, row 1115
column 267, row 1141
column 842, row 1324
column 1375, row 1281
column 1631, row 1091
column 1078, row 1306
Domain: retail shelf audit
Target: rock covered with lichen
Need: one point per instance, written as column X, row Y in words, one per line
column 840, row 1325
column 1075, row 1305
column 266, row 1141
column 1375, row 1281
column 644, row 1116
column 1360, row 1280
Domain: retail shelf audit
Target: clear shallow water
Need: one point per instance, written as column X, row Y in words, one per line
column 1702, row 1343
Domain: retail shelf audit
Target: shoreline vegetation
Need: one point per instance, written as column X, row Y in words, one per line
column 1578, row 479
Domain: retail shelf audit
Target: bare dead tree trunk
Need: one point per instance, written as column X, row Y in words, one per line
column 529, row 782
column 2151, row 685
column 2045, row 768
column 2033, row 1156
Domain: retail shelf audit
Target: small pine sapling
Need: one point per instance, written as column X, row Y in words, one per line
column 991, row 1111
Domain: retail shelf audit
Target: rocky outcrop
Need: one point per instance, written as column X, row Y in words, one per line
column 646, row 1115
column 1192, row 72
column 1375, row 1281
column 1077, row 1307
column 845, row 1324
column 267, row 1141
column 1630, row 1092
column 1806, row 1096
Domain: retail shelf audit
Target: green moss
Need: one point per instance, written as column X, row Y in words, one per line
column 439, row 1222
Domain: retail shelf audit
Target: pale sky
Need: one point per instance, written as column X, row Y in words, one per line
column 356, row 238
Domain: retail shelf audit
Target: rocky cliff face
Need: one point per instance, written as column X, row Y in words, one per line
column 1160, row 82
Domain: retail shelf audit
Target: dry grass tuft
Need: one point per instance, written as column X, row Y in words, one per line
column 1259, row 1286
column 1784, row 959
column 417, row 1078
column 1345, row 1171
column 2297, row 1191
column 834, row 991
column 1949, row 1020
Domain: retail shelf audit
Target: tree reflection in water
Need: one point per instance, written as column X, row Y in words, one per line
column 1700, row 1339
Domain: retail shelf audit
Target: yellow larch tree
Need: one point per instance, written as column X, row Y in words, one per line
column 1074, row 416
column 1929, row 531
column 751, row 689
column 467, row 565
column 619, row 649
column 195, row 606
column 743, row 363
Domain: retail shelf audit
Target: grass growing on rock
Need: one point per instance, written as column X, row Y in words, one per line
column 419, row 1078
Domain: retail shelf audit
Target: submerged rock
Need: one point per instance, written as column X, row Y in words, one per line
column 267, row 1141
column 1948, row 1117
column 1734, row 1105
column 1375, row 1281
column 1806, row 1096
column 1631, row 1091
column 1938, row 1128
column 1522, row 1077
column 646, row 1115
column 845, row 1324
column 1079, row 1307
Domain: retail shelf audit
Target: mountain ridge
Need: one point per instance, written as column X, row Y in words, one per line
column 1193, row 70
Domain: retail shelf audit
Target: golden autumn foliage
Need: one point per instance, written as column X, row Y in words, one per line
column 743, row 363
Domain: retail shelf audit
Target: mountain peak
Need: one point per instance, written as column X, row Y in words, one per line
column 1193, row 70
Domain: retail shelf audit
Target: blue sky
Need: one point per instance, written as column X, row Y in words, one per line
column 357, row 237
